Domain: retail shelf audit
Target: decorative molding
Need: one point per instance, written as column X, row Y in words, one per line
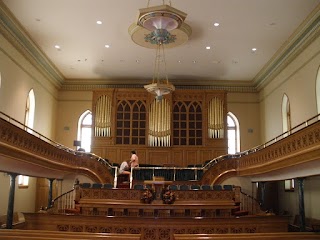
column 308, row 31
column 18, row 37
column 20, row 147
column 12, row 30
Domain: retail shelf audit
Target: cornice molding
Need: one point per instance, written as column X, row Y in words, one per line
column 87, row 85
column 307, row 32
column 12, row 30
column 300, row 39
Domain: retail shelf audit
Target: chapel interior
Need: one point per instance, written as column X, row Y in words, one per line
column 226, row 142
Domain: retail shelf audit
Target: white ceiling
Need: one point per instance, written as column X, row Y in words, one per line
column 244, row 24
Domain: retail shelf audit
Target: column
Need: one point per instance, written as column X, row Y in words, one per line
column 50, row 192
column 262, row 194
column 301, row 204
column 11, row 199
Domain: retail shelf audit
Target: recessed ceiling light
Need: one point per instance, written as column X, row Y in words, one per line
column 253, row 49
column 107, row 46
column 208, row 47
column 179, row 61
column 57, row 46
column 137, row 61
column 216, row 24
column 99, row 22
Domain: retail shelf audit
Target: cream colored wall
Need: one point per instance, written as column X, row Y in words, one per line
column 243, row 182
column 298, row 81
column 18, row 77
column 245, row 106
column 24, row 198
column 71, row 105
column 289, row 201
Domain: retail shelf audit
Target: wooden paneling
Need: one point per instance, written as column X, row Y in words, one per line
column 155, row 228
column 249, row 236
column 181, row 155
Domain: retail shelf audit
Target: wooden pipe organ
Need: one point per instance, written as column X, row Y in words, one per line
column 185, row 127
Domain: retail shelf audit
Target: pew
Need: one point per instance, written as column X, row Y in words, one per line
column 56, row 235
column 250, row 236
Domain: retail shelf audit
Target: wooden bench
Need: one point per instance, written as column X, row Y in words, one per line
column 249, row 236
column 56, row 235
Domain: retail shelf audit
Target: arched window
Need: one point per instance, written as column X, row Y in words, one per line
column 30, row 109
column 84, row 130
column 233, row 133
column 318, row 90
column 23, row 181
column 286, row 117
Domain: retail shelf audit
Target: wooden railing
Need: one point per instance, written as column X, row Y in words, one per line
column 249, row 236
column 16, row 234
column 22, row 144
column 18, row 142
column 64, row 201
column 249, row 204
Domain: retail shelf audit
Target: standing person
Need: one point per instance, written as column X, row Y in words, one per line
column 134, row 160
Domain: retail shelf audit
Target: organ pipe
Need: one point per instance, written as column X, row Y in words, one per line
column 103, row 117
column 159, row 124
column 215, row 118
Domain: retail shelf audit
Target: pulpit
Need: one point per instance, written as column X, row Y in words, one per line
column 158, row 184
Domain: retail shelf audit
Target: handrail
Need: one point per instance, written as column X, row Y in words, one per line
column 64, row 201
column 56, row 144
column 297, row 128
column 252, row 206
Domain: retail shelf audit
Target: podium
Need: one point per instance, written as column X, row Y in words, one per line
column 158, row 183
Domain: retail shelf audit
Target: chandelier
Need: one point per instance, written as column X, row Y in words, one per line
column 158, row 27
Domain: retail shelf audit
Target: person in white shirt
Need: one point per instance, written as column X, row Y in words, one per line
column 124, row 168
column 134, row 160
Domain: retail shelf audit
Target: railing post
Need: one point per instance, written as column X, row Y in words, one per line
column 301, row 204
column 11, row 200
column 115, row 177
column 131, row 178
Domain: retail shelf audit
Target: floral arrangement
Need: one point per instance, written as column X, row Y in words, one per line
column 168, row 197
column 147, row 196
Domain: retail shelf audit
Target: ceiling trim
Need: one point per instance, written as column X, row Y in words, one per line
column 307, row 32
column 89, row 86
column 12, row 30
column 19, row 38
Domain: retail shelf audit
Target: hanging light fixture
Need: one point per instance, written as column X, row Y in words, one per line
column 157, row 27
